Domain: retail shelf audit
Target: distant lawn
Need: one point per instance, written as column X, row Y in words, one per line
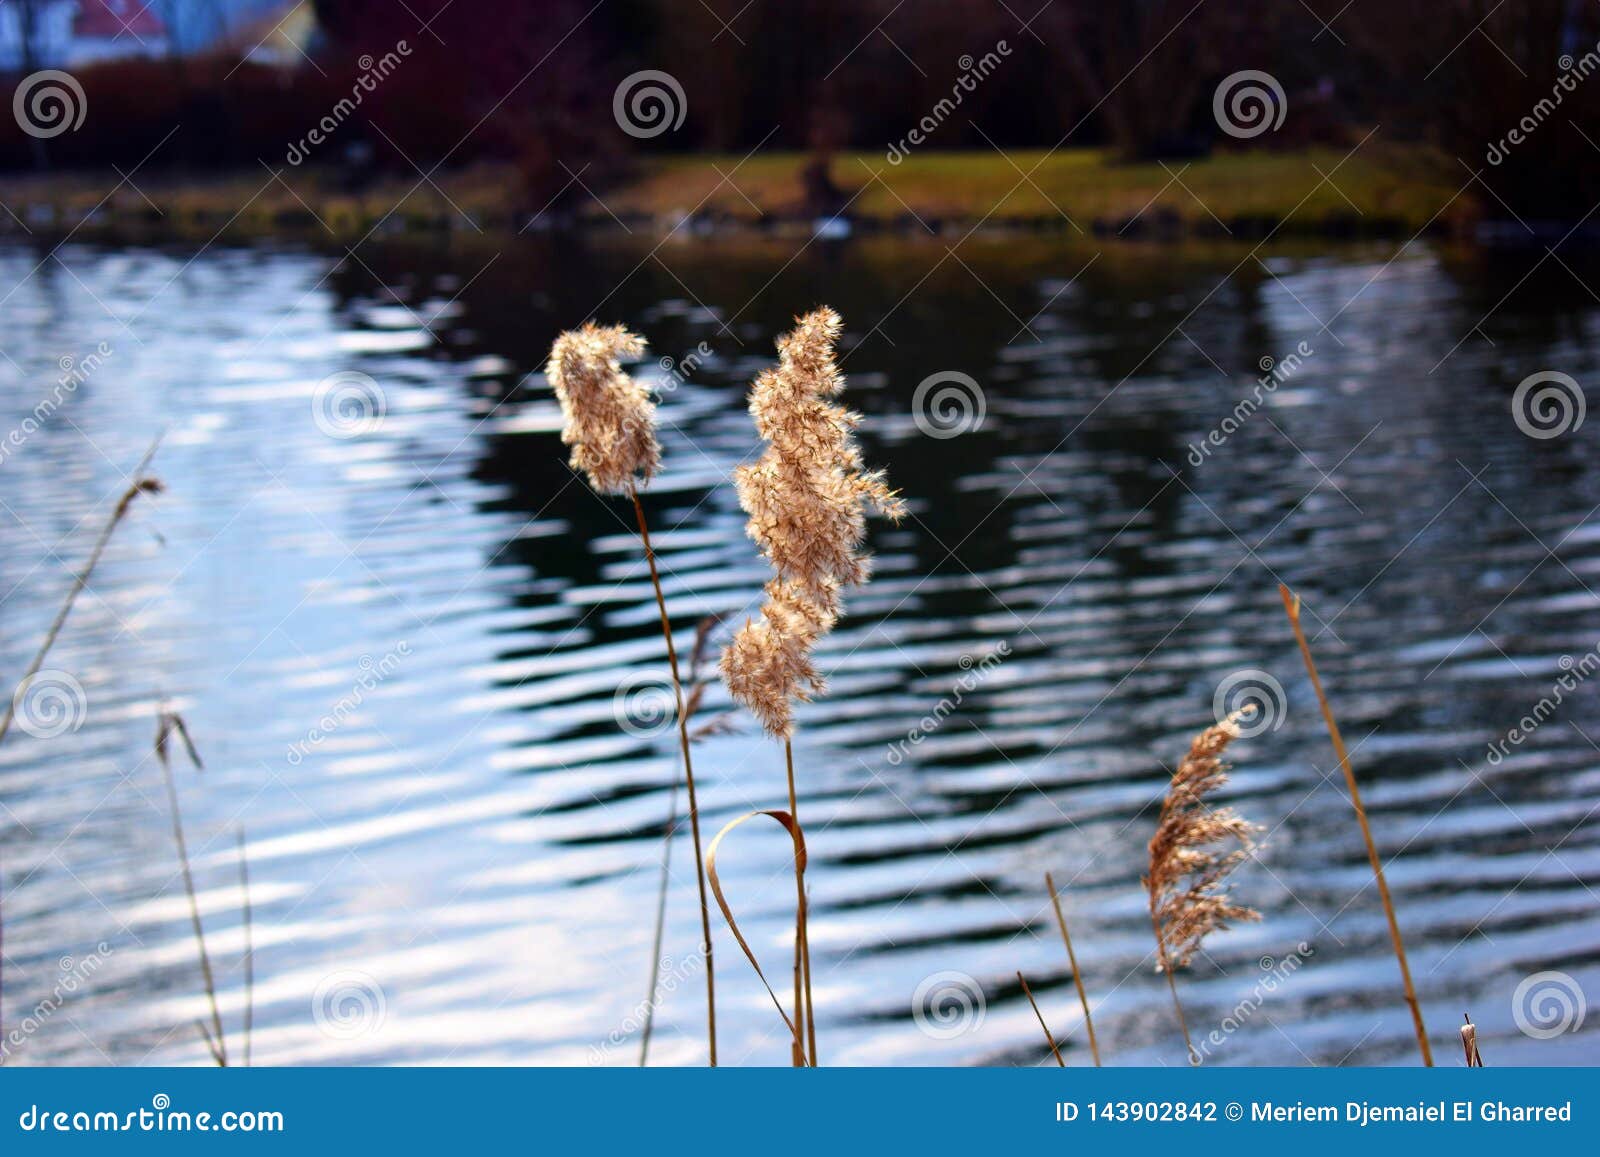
column 1381, row 188
column 1385, row 185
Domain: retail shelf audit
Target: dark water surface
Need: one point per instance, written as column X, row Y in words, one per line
column 399, row 644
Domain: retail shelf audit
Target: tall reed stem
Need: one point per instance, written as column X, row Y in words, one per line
column 1291, row 605
column 802, row 939
column 138, row 486
column 661, row 925
column 1172, row 985
column 688, row 777
column 1077, row 977
column 215, row 1040
column 1028, row 992
column 249, row 949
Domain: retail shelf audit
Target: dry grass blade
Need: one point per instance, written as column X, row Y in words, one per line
column 802, row 919
column 1187, row 880
column 141, row 484
column 1028, row 992
column 1291, row 606
column 168, row 724
column 799, row 839
column 1072, row 958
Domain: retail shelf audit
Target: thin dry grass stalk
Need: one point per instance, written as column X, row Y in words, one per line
column 168, row 724
column 1291, row 606
column 1187, row 880
column 807, row 497
column 1469, row 1043
column 692, row 704
column 688, row 778
column 142, row 484
column 1028, row 992
column 610, row 423
column 789, row 823
column 1072, row 958
column 249, row 958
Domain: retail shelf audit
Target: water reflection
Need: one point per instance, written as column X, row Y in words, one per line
column 461, row 868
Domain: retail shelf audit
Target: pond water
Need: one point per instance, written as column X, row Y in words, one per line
column 397, row 634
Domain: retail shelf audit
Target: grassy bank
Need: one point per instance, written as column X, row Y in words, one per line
column 1320, row 191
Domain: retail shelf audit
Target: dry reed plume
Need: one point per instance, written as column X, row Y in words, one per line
column 1291, row 606
column 1187, row 878
column 808, row 497
column 610, row 423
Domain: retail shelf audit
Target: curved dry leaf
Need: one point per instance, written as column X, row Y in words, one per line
column 798, row 836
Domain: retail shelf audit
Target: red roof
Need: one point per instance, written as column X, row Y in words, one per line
column 110, row 19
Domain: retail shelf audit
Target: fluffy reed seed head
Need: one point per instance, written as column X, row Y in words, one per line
column 610, row 419
column 808, row 497
column 768, row 665
column 809, row 494
column 1188, row 895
